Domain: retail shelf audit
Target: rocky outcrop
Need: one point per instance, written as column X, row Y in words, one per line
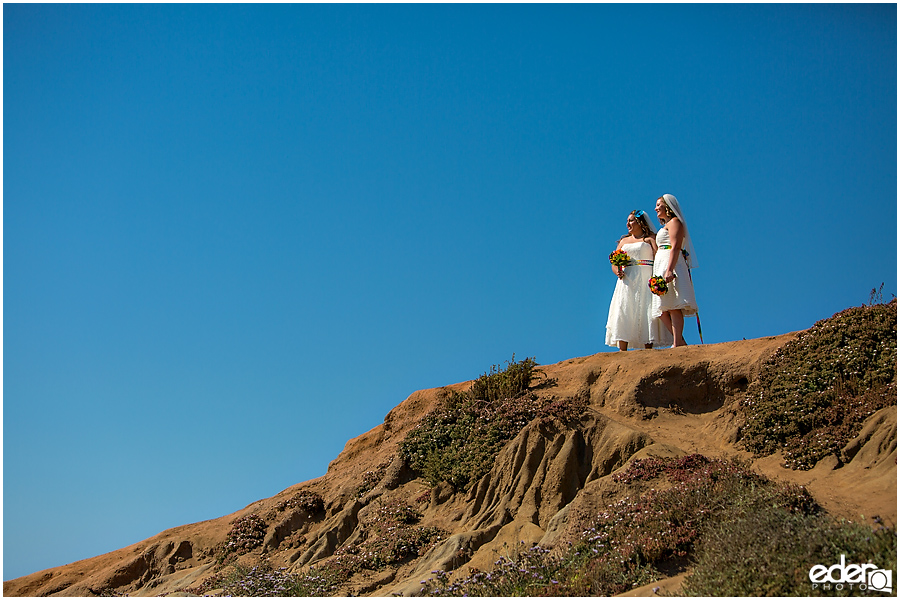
column 545, row 467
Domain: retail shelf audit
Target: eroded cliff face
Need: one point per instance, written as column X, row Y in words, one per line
column 642, row 403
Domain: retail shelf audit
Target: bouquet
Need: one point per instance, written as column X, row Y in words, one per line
column 619, row 258
column 658, row 285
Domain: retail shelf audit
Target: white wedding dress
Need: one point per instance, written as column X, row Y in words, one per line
column 680, row 295
column 629, row 311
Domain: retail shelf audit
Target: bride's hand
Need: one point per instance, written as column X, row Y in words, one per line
column 669, row 277
column 621, row 273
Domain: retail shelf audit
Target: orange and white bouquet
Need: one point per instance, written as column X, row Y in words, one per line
column 658, row 285
column 619, row 258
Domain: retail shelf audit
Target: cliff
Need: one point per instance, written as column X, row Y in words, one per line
column 663, row 403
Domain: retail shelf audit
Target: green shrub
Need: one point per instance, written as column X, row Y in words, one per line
column 816, row 391
column 769, row 552
column 457, row 444
column 511, row 382
column 459, row 441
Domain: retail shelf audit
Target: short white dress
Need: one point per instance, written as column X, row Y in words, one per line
column 629, row 311
column 680, row 295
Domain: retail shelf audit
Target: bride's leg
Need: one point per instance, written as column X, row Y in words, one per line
column 623, row 346
column 666, row 321
column 677, row 318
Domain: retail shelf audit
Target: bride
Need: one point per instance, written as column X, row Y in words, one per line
column 629, row 320
column 674, row 257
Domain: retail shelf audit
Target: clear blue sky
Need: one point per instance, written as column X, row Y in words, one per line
column 236, row 236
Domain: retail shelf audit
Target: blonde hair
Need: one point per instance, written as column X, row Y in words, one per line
column 671, row 214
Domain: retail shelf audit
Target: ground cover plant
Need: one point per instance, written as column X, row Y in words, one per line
column 310, row 502
column 391, row 535
column 372, row 478
column 637, row 539
column 258, row 581
column 246, row 534
column 814, row 394
column 458, row 441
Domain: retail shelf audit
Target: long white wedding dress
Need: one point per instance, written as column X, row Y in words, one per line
column 629, row 311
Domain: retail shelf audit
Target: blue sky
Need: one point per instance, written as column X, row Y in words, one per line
column 236, row 236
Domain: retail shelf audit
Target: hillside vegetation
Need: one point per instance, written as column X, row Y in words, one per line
column 815, row 393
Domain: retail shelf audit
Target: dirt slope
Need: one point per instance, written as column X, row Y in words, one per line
column 641, row 403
